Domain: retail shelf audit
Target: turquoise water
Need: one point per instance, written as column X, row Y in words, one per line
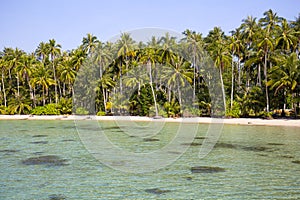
column 259, row 162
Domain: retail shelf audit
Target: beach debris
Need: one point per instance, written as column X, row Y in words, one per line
column 49, row 160
column 157, row 191
column 206, row 169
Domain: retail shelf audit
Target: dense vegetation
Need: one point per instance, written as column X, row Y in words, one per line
column 258, row 62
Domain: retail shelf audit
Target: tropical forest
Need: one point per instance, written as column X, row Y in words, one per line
column 258, row 65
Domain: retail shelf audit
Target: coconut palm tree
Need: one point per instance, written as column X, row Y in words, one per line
column 54, row 51
column 42, row 78
column 287, row 37
column 285, row 76
column 194, row 47
column 89, row 43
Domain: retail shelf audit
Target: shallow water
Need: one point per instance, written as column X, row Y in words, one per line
column 256, row 162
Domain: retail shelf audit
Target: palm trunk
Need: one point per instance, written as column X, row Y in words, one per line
column 55, row 85
column 3, row 86
column 104, row 99
column 153, row 93
column 266, row 79
column 259, row 75
column 223, row 91
column 232, row 82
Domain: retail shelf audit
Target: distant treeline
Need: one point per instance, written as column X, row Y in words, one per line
column 258, row 64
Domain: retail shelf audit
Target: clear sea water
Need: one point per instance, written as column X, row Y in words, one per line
column 259, row 162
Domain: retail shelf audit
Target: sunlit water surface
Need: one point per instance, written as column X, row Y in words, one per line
column 259, row 162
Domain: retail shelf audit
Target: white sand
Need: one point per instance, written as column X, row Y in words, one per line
column 237, row 121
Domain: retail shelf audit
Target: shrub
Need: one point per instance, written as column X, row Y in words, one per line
column 81, row 111
column 235, row 111
column 49, row 109
column 101, row 113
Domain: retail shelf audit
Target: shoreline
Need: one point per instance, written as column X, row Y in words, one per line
column 201, row 120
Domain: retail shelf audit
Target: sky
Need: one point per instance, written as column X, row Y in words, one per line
column 24, row 24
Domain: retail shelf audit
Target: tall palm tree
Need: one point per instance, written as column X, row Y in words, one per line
column 125, row 48
column 195, row 45
column 54, row 51
column 236, row 48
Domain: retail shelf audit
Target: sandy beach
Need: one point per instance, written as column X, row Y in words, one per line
column 235, row 121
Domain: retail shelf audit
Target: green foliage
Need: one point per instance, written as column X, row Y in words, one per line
column 101, row 113
column 81, row 111
column 49, row 109
column 235, row 111
column 65, row 106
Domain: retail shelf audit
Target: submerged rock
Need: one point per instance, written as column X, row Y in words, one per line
column 296, row 161
column 157, row 191
column 8, row 151
column 226, row 145
column 39, row 142
column 39, row 136
column 57, row 197
column 150, row 139
column 49, row 160
column 200, row 137
column 206, row 169
column 192, row 144
column 275, row 144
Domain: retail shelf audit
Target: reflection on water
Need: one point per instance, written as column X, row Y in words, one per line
column 46, row 160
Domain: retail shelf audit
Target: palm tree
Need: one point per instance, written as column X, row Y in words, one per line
column 67, row 74
column 3, row 66
column 219, row 53
column 236, row 47
column 54, row 51
column 89, row 43
column 286, row 77
column 125, row 48
column 287, row 39
column 179, row 75
column 42, row 78
column 195, row 45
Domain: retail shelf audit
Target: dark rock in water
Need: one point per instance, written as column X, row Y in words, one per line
column 275, row 144
column 39, row 142
column 38, row 153
column 8, row 151
column 296, row 161
column 157, row 191
column 57, row 197
column 68, row 140
column 287, row 156
column 200, row 138
column 150, row 139
column 226, row 145
column 206, row 169
column 192, row 144
column 256, row 149
column 40, row 136
column 48, row 160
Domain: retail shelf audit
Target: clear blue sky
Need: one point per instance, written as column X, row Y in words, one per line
column 24, row 24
